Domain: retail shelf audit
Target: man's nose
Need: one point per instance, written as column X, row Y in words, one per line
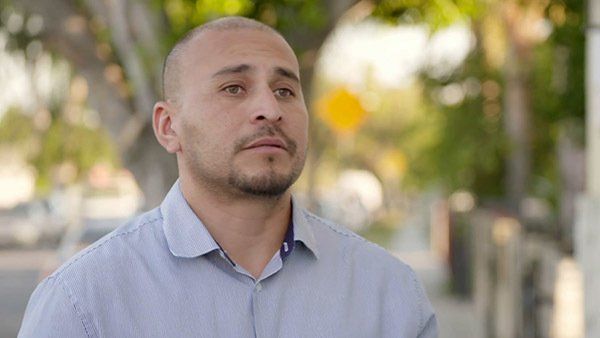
column 265, row 106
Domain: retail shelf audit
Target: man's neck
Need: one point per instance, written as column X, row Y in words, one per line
column 251, row 229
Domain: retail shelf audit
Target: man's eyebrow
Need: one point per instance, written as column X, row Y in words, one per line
column 232, row 70
column 287, row 73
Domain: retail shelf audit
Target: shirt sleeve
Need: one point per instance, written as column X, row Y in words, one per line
column 51, row 313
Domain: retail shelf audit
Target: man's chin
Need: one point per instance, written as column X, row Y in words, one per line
column 265, row 185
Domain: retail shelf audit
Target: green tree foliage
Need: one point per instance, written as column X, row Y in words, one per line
column 436, row 13
column 286, row 16
column 469, row 148
column 16, row 128
column 44, row 136
column 78, row 145
column 558, row 92
column 469, row 144
column 62, row 142
column 568, row 38
column 465, row 144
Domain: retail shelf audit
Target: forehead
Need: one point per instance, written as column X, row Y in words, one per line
column 214, row 49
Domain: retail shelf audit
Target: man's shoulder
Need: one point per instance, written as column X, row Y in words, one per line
column 113, row 248
column 325, row 226
column 354, row 246
column 373, row 267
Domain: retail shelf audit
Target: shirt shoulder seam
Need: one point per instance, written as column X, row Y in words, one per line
column 329, row 224
column 78, row 312
column 92, row 249
column 350, row 234
column 426, row 324
column 421, row 301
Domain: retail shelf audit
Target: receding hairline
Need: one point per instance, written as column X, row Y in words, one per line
column 172, row 62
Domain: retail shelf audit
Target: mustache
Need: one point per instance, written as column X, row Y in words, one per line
column 272, row 131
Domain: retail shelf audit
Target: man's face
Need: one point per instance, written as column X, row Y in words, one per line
column 241, row 121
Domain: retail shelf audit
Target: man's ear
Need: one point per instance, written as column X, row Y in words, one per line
column 162, row 122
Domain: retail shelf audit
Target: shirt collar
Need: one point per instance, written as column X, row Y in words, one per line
column 303, row 231
column 185, row 233
column 188, row 237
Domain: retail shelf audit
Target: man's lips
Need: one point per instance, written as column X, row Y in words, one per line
column 267, row 142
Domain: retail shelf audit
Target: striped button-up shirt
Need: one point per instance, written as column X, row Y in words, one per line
column 163, row 275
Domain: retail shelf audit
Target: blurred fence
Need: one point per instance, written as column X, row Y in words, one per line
column 520, row 281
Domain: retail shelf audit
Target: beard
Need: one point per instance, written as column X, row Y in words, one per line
column 269, row 183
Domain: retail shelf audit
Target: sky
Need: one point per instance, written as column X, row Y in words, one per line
column 392, row 54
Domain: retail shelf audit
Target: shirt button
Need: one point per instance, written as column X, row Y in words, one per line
column 258, row 287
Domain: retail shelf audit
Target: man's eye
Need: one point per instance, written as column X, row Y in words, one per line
column 233, row 90
column 284, row 92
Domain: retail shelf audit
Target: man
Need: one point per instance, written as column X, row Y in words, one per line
column 229, row 253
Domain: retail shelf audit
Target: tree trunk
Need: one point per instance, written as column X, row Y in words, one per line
column 517, row 101
column 67, row 33
column 571, row 166
column 517, row 126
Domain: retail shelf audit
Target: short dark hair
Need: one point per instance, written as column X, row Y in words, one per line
column 171, row 67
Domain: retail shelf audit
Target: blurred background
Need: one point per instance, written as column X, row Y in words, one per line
column 450, row 132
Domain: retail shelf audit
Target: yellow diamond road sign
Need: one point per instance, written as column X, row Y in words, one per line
column 341, row 110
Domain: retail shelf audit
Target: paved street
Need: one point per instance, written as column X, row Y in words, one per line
column 18, row 278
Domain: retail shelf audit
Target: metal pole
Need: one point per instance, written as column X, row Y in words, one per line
column 593, row 98
column 587, row 245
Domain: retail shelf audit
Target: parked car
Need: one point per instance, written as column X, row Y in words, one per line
column 107, row 200
column 30, row 224
column 77, row 238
